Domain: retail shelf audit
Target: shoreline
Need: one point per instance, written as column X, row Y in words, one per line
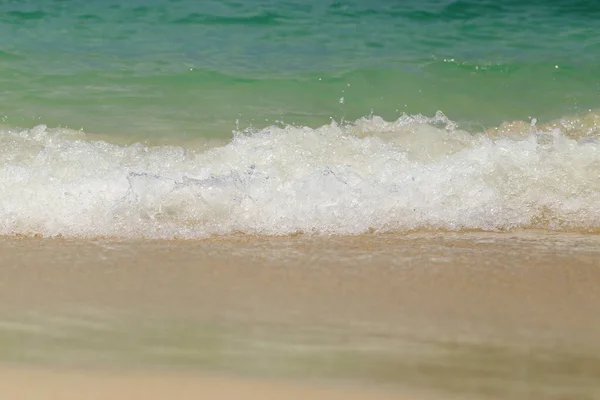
column 89, row 385
column 481, row 315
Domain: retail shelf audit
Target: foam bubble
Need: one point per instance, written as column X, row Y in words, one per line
column 413, row 173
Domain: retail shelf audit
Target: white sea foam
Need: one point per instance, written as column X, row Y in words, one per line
column 413, row 173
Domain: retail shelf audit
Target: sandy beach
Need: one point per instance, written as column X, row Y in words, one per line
column 445, row 315
column 71, row 385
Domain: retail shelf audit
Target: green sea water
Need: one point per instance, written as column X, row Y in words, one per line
column 298, row 116
column 184, row 69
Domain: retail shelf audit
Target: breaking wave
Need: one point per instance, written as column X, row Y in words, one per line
column 415, row 173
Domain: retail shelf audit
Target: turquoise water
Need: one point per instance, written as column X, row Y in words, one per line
column 188, row 69
column 278, row 117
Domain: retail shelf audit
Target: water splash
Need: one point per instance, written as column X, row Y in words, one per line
column 371, row 175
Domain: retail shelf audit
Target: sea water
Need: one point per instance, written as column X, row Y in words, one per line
column 184, row 119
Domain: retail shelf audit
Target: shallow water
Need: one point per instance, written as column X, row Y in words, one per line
column 188, row 69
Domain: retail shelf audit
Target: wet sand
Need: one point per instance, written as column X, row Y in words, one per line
column 445, row 315
column 78, row 385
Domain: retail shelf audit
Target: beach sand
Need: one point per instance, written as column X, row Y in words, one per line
column 423, row 315
column 34, row 384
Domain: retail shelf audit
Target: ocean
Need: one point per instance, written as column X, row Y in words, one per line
column 185, row 119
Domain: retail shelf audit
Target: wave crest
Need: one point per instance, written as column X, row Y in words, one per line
column 370, row 175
